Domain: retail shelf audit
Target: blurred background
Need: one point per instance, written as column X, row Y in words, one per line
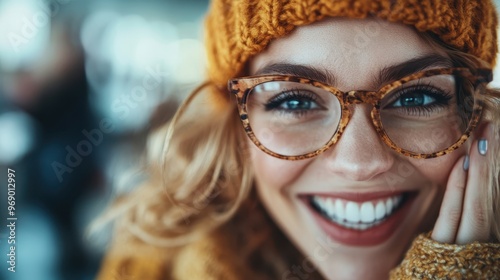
column 82, row 83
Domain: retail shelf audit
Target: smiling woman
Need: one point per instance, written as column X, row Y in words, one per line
column 354, row 140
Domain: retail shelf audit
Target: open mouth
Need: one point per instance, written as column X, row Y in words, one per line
column 360, row 219
column 357, row 215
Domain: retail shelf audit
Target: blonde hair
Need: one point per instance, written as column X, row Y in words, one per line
column 202, row 181
column 491, row 113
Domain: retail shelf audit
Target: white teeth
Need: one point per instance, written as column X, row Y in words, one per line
column 388, row 206
column 330, row 207
column 380, row 210
column 352, row 212
column 318, row 201
column 367, row 212
column 339, row 210
column 359, row 216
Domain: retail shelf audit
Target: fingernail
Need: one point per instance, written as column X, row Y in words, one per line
column 482, row 146
column 466, row 162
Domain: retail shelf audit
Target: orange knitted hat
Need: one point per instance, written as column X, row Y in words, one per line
column 236, row 30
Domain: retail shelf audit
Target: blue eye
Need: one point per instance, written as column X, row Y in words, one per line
column 419, row 100
column 298, row 104
column 292, row 101
column 414, row 99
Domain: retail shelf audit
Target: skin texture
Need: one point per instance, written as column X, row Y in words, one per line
column 355, row 51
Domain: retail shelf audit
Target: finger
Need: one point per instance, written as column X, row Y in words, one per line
column 474, row 225
column 448, row 221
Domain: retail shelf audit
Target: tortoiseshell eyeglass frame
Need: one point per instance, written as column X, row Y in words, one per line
column 242, row 87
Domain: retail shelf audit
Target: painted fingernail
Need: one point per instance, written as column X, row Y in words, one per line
column 466, row 162
column 482, row 146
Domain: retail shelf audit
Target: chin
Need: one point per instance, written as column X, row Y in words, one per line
column 355, row 235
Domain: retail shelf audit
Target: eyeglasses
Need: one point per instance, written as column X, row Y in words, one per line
column 424, row 115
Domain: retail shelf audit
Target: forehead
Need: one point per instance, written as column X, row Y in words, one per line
column 347, row 48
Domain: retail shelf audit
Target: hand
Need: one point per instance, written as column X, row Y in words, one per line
column 463, row 217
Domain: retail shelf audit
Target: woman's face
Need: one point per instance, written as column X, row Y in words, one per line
column 359, row 169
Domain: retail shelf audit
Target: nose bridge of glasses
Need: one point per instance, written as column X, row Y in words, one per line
column 362, row 96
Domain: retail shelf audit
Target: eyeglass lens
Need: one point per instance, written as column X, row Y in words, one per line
column 422, row 116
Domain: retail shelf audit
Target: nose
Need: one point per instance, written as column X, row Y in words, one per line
column 359, row 155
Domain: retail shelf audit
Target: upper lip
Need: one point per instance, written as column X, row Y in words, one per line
column 359, row 196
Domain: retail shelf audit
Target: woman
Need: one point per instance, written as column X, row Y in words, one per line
column 369, row 149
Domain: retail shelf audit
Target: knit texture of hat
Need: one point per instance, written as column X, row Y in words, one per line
column 236, row 30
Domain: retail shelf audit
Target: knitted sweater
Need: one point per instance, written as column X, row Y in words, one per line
column 426, row 259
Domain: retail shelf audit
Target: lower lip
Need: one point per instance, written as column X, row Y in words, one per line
column 370, row 237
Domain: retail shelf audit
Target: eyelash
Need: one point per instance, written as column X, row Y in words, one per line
column 277, row 100
column 442, row 98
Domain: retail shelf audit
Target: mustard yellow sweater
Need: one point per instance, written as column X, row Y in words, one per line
column 426, row 259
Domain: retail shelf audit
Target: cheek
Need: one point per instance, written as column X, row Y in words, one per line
column 275, row 179
column 437, row 170
column 274, row 173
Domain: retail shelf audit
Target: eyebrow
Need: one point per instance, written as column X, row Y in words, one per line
column 395, row 72
column 309, row 72
column 386, row 75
